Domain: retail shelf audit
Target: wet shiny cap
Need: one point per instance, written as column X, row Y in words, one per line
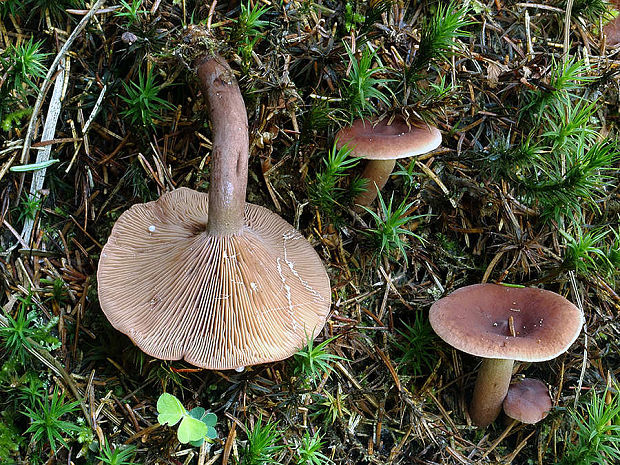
column 219, row 302
column 383, row 141
column 494, row 321
column 527, row 401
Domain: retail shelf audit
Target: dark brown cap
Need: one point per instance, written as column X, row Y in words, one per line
column 382, row 141
column 494, row 321
column 217, row 301
column 527, row 401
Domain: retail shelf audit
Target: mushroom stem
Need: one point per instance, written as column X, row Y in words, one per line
column 490, row 391
column 377, row 172
column 229, row 164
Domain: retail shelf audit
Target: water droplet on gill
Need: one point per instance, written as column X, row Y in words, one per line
column 239, row 369
column 152, row 228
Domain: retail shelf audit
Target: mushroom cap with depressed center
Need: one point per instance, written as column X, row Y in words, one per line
column 527, row 401
column 217, row 301
column 382, row 141
column 480, row 320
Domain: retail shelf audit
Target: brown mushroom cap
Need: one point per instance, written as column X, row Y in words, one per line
column 612, row 32
column 380, row 141
column 218, row 301
column 477, row 320
column 527, row 401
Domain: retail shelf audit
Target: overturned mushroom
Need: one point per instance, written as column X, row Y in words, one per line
column 503, row 324
column 210, row 278
column 382, row 143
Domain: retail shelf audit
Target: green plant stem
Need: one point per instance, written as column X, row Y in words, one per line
column 229, row 165
column 377, row 172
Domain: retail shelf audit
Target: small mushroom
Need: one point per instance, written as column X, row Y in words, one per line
column 612, row 32
column 209, row 278
column 382, row 143
column 527, row 401
column 502, row 324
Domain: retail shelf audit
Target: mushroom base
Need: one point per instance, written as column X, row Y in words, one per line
column 219, row 302
column 490, row 390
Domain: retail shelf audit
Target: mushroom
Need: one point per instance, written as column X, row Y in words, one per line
column 382, row 143
column 612, row 28
column 527, row 401
column 612, row 32
column 210, row 278
column 502, row 324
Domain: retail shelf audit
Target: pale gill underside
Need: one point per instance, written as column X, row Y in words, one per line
column 219, row 302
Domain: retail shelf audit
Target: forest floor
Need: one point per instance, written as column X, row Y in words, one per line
column 523, row 190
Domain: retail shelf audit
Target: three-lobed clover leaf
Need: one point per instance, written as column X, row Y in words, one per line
column 196, row 425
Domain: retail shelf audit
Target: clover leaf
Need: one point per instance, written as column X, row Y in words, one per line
column 209, row 419
column 191, row 429
column 170, row 409
column 196, row 425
